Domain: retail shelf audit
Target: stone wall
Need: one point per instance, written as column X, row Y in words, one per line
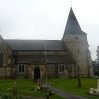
column 21, row 74
column 3, row 72
column 6, row 50
column 31, row 68
column 5, row 69
column 78, row 47
column 51, row 70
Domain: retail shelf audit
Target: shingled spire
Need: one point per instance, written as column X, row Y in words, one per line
column 72, row 26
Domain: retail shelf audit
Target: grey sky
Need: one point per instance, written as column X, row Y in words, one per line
column 46, row 19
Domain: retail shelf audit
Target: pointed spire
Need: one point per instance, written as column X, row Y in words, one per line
column 72, row 26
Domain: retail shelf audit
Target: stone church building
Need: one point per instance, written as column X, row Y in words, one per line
column 69, row 56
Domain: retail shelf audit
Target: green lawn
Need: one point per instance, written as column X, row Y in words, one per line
column 24, row 88
column 71, row 85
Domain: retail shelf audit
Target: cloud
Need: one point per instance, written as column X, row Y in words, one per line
column 46, row 19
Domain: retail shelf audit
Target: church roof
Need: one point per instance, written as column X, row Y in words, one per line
column 72, row 26
column 41, row 58
column 36, row 44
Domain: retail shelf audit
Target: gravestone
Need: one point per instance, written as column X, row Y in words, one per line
column 98, row 85
column 94, row 91
column 15, row 90
column 47, row 95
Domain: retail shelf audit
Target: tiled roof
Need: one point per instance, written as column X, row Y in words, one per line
column 72, row 26
column 36, row 44
column 41, row 58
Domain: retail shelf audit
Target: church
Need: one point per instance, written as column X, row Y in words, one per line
column 68, row 57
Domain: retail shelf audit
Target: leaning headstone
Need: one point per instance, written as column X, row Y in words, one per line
column 15, row 90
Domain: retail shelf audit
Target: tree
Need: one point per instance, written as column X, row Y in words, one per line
column 69, row 69
column 95, row 64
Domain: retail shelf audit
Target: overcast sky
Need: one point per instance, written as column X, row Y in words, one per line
column 46, row 19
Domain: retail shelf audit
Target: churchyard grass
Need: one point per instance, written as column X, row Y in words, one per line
column 23, row 86
column 71, row 85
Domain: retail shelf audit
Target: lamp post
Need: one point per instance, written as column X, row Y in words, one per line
column 46, row 65
column 47, row 94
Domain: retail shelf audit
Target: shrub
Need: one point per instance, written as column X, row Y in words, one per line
column 5, row 96
column 10, row 89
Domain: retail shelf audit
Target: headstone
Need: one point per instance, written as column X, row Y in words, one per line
column 98, row 85
column 47, row 95
column 94, row 91
column 15, row 89
column 91, row 91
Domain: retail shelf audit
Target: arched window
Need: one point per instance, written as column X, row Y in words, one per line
column 61, row 68
column 21, row 68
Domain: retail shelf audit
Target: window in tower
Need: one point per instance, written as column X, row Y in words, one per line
column 76, row 38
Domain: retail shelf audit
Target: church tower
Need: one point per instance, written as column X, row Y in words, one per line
column 76, row 41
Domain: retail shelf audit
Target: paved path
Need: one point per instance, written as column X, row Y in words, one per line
column 66, row 94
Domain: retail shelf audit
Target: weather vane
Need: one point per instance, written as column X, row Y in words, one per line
column 71, row 2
